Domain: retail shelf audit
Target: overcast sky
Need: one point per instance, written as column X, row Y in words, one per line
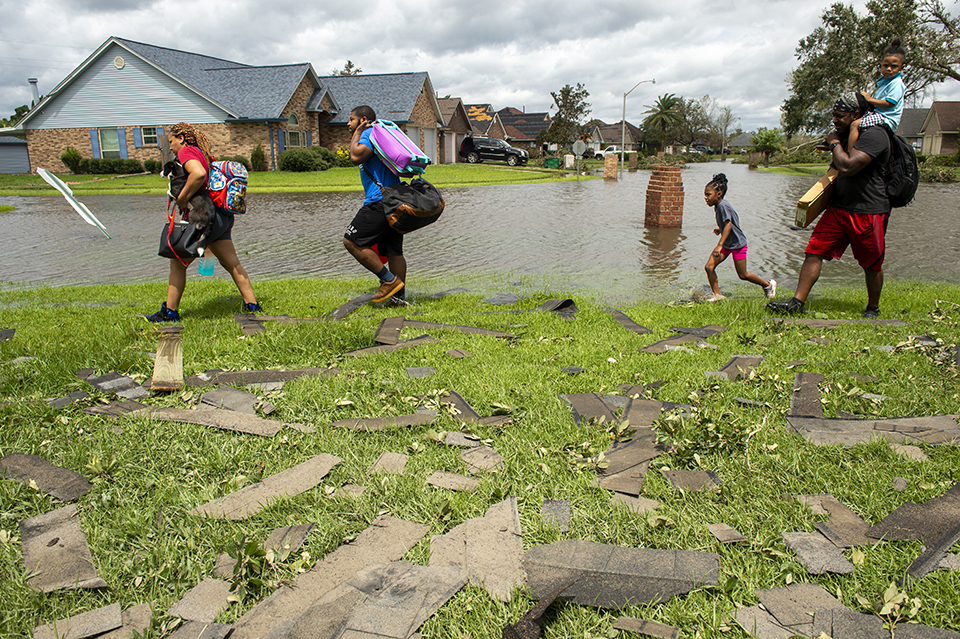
column 503, row 52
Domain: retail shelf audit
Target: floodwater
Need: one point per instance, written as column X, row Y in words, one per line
column 586, row 236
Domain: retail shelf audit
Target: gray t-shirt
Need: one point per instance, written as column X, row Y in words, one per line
column 725, row 213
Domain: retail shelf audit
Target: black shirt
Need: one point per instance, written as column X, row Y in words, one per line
column 865, row 192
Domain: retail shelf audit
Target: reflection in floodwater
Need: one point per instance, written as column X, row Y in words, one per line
column 587, row 236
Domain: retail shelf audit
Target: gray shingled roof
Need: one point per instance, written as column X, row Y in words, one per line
column 391, row 95
column 448, row 108
column 911, row 121
column 528, row 124
column 744, row 139
column 249, row 91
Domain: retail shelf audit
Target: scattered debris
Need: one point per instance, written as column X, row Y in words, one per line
column 56, row 554
column 817, row 553
column 458, row 353
column 251, row 499
column 805, row 401
column 66, row 400
column 376, row 350
column 264, row 387
column 464, row 440
column 135, row 620
column 639, row 505
column 385, row 540
column 822, row 341
column 389, row 331
column 621, row 318
column 200, row 630
column 292, row 536
column 613, row 577
column 845, row 529
column 416, row 372
column 488, row 548
column 572, row 370
column 622, row 457
column 949, row 562
column 931, row 557
column 628, row 482
column 936, row 429
column 6, row 334
column 204, row 602
column 645, row 627
column 115, row 408
column 392, row 463
column 242, row 378
column 250, row 324
column 738, row 366
column 725, row 533
column 526, row 626
column 674, row 347
column 588, row 406
column 465, row 412
column 899, row 484
column 351, row 490
column 83, row 625
column 62, row 483
column 168, row 365
column 833, row 323
column 233, row 399
column 556, row 512
column 931, row 521
column 469, row 330
column 792, row 606
column 565, row 308
column 691, row 479
column 452, row 481
column 750, row 402
column 913, row 452
column 222, row 419
column 383, row 423
column 119, row 385
column 343, row 310
column 481, row 458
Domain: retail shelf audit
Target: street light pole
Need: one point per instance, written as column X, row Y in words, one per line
column 623, row 122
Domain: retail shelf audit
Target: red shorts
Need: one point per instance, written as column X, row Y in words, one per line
column 836, row 229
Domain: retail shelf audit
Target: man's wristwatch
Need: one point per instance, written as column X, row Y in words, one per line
column 832, row 145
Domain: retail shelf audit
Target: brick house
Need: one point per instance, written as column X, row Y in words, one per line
column 485, row 121
column 522, row 128
column 456, row 127
column 406, row 99
column 911, row 125
column 603, row 135
column 940, row 129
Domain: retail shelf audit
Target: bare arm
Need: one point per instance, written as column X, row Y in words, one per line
column 723, row 237
column 196, row 178
column 847, row 163
column 880, row 104
column 359, row 153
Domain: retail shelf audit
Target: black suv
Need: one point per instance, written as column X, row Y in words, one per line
column 477, row 149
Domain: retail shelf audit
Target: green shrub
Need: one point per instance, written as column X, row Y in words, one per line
column 258, row 161
column 237, row 158
column 343, row 157
column 932, row 172
column 106, row 166
column 154, row 166
column 325, row 157
column 71, row 158
column 298, row 161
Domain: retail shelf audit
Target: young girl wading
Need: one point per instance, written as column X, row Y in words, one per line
column 732, row 241
column 193, row 152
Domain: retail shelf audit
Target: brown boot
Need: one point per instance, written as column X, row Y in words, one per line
column 387, row 289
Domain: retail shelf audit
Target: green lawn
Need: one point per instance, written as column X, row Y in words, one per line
column 336, row 179
column 147, row 475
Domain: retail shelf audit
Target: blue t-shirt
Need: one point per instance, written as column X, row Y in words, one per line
column 725, row 213
column 380, row 171
column 891, row 90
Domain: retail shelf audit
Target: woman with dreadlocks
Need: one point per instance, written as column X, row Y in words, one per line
column 193, row 151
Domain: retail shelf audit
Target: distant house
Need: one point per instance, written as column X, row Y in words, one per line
column 456, row 126
column 911, row 124
column 603, row 135
column 485, row 121
column 521, row 128
column 14, row 157
column 940, row 129
column 406, row 99
column 742, row 141
column 120, row 100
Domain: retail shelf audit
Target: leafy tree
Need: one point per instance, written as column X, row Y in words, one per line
column 842, row 55
column 18, row 114
column 569, row 123
column 348, row 69
column 768, row 141
column 667, row 112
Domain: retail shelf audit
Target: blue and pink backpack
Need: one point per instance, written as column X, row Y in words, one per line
column 398, row 152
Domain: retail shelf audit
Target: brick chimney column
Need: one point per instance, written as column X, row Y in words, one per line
column 610, row 164
column 664, row 198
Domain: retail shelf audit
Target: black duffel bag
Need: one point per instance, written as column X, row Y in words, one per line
column 181, row 240
column 409, row 207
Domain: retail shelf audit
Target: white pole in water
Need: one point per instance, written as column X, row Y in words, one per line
column 623, row 122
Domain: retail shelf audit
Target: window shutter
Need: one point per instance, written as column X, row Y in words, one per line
column 95, row 143
column 122, row 138
column 280, row 138
column 309, row 138
column 159, row 131
column 137, row 139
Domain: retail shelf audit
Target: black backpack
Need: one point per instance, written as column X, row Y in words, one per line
column 902, row 174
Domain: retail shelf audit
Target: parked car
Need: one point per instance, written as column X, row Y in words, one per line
column 610, row 150
column 699, row 148
column 476, row 149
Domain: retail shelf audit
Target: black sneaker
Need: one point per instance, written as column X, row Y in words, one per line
column 163, row 315
column 253, row 307
column 871, row 313
column 793, row 307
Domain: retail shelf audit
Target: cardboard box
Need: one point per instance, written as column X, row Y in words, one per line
column 811, row 205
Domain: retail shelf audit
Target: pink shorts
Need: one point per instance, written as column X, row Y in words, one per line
column 738, row 254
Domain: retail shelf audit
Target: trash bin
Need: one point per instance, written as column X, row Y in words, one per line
column 568, row 161
column 551, row 163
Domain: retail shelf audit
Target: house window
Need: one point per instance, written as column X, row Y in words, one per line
column 109, row 143
column 149, row 135
column 293, row 139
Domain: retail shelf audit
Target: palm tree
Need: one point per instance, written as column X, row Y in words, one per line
column 664, row 114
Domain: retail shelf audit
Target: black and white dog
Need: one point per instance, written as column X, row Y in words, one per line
column 202, row 209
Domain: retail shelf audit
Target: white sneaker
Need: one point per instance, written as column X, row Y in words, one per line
column 717, row 297
column 771, row 290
